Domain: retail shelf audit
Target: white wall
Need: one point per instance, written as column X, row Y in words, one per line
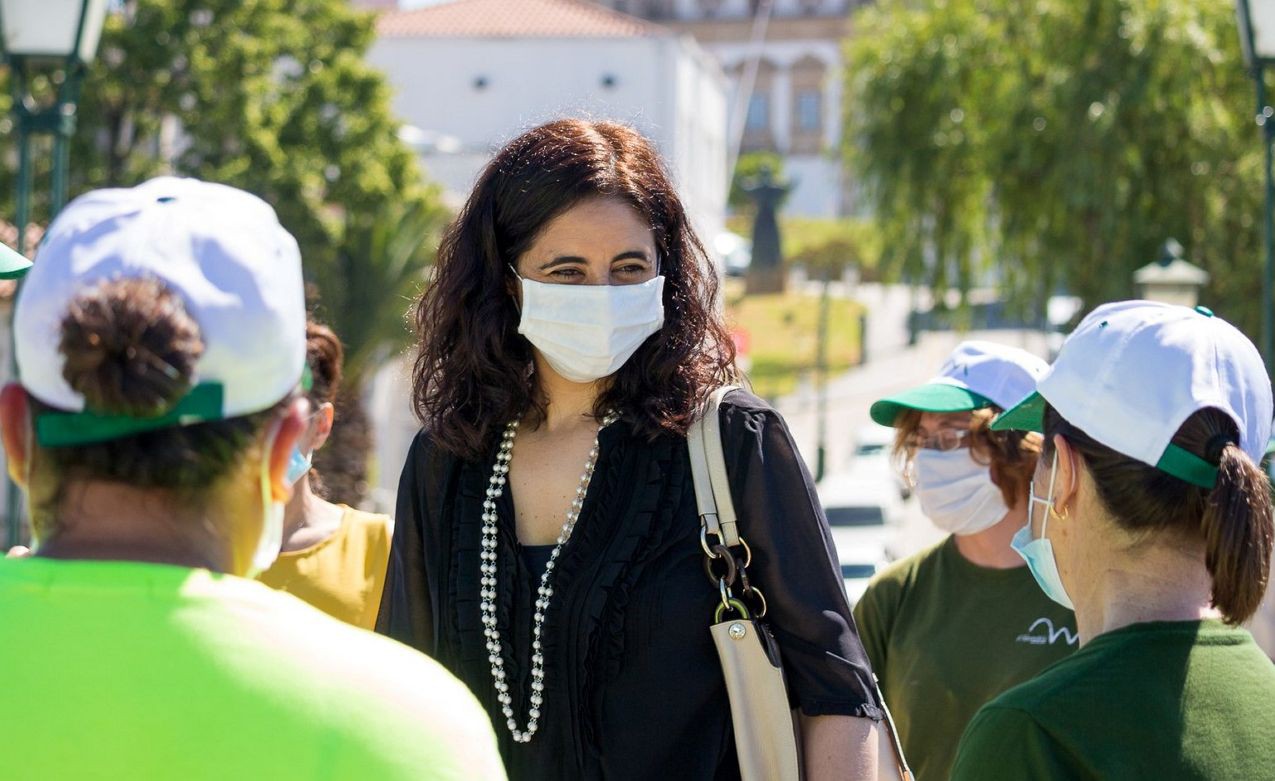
column 666, row 87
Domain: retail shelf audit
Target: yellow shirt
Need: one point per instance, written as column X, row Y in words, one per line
column 343, row 575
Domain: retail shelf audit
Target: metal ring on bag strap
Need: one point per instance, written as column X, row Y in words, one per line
column 723, row 555
column 727, row 596
column 739, row 607
column 761, row 598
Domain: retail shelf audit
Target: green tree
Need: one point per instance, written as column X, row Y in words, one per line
column 1058, row 148
column 377, row 275
column 272, row 96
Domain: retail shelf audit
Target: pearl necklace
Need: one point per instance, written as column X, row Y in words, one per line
column 487, row 605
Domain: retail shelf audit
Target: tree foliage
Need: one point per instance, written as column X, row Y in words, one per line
column 272, row 96
column 1055, row 145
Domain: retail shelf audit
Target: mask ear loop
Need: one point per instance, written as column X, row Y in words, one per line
column 1048, row 501
column 517, row 300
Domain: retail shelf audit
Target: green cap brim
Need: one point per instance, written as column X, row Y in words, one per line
column 1026, row 415
column 12, row 265
column 933, row 397
column 203, row 403
column 1029, row 415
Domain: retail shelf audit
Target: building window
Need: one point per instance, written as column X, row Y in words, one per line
column 758, row 119
column 809, row 111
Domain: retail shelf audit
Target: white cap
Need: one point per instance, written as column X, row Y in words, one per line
column 220, row 249
column 977, row 374
column 1132, row 373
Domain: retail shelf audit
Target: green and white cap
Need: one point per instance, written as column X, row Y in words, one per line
column 977, row 374
column 13, row 265
column 221, row 250
column 1132, row 373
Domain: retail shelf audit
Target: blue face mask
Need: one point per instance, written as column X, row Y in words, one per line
column 298, row 465
column 1039, row 554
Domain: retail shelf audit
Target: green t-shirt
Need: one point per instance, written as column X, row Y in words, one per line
column 1163, row 700
column 123, row 670
column 945, row 636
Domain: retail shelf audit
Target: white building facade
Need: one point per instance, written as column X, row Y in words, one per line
column 472, row 74
column 795, row 104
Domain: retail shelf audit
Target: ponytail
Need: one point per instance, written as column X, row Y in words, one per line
column 1238, row 531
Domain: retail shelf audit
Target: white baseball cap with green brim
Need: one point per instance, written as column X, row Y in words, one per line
column 13, row 265
column 221, row 250
column 1132, row 373
column 976, row 375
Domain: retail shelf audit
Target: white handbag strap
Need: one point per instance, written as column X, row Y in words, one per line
column 708, row 469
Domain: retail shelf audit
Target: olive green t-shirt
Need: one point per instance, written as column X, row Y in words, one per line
column 123, row 670
column 1155, row 701
column 945, row 636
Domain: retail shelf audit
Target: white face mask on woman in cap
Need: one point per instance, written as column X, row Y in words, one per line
column 956, row 492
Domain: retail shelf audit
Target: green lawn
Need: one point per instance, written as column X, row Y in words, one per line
column 782, row 336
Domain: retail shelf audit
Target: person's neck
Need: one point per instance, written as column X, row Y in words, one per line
column 115, row 522
column 990, row 548
column 308, row 519
column 567, row 404
column 1154, row 581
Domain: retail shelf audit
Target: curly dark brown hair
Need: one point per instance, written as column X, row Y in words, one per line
column 474, row 372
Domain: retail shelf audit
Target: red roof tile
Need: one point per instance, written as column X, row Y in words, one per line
column 515, row 19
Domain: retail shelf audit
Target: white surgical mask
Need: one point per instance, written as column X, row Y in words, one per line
column 1039, row 552
column 271, row 541
column 956, row 492
column 587, row 332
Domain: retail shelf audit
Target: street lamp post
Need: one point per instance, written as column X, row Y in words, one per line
column 60, row 37
column 1257, row 39
column 1171, row 279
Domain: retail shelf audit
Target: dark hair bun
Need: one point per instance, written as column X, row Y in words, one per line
column 324, row 353
column 130, row 347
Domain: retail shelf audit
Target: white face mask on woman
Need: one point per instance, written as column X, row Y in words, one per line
column 956, row 492
column 587, row 332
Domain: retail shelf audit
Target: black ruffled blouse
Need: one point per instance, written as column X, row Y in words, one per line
column 633, row 687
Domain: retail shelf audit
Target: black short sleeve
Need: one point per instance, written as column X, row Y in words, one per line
column 794, row 563
column 406, row 612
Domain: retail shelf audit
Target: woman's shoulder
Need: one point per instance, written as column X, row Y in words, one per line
column 751, row 422
column 744, row 401
column 426, row 451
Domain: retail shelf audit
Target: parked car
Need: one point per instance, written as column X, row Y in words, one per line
column 864, row 517
column 872, row 459
column 735, row 251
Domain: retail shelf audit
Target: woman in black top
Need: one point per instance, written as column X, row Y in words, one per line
column 571, row 322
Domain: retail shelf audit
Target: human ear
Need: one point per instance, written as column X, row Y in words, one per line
column 324, row 417
column 290, row 427
column 1067, row 479
column 15, row 430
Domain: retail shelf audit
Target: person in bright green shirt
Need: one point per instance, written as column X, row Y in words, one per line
column 951, row 627
column 161, row 344
column 1149, row 516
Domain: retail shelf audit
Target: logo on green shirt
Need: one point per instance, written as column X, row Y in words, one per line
column 1048, row 636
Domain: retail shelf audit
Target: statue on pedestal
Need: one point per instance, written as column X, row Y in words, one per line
column 766, row 270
